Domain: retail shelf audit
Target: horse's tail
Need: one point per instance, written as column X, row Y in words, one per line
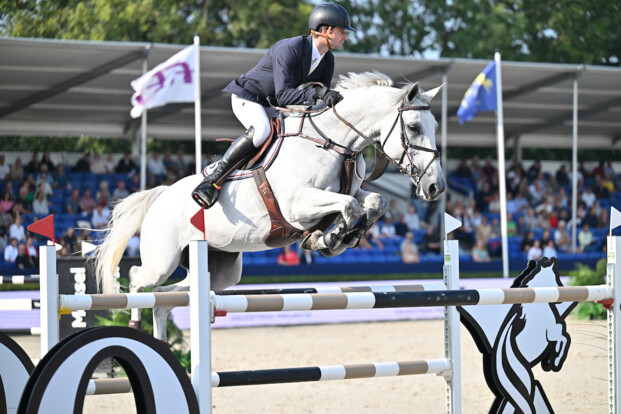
column 127, row 217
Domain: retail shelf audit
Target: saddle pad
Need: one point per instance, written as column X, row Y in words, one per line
column 265, row 162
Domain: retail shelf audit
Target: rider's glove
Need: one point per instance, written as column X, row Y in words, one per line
column 329, row 96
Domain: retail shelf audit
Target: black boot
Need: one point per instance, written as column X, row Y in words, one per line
column 207, row 192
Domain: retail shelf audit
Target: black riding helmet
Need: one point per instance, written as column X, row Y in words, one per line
column 329, row 14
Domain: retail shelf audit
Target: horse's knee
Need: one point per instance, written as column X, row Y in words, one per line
column 352, row 212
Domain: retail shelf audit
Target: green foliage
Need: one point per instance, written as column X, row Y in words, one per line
column 585, row 276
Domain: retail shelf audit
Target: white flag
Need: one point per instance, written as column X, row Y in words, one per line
column 450, row 224
column 615, row 219
column 171, row 81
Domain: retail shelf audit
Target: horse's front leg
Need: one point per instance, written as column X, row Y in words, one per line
column 313, row 203
column 374, row 207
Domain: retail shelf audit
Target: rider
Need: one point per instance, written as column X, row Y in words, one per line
column 289, row 64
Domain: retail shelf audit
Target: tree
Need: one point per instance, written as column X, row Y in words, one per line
column 559, row 31
column 254, row 23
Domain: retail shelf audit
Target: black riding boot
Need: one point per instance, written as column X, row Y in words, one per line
column 207, row 192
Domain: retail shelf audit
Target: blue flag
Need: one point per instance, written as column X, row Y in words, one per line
column 481, row 96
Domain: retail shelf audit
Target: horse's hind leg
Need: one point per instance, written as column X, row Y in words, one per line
column 160, row 315
column 157, row 266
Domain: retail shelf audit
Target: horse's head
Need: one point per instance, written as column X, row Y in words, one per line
column 402, row 125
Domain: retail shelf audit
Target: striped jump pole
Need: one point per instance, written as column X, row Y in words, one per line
column 372, row 300
column 336, row 289
column 290, row 375
column 19, row 304
column 335, row 301
column 19, row 279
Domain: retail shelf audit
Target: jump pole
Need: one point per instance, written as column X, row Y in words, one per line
column 50, row 335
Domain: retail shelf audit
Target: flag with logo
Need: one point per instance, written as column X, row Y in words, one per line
column 169, row 82
column 481, row 96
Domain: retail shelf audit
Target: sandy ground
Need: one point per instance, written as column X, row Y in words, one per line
column 579, row 388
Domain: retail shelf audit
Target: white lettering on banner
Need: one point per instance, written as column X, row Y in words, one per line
column 80, row 289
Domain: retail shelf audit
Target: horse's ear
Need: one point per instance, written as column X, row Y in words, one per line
column 412, row 92
column 429, row 95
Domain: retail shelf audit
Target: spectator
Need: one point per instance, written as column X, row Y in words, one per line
column 16, row 230
column 489, row 170
column 31, row 250
column 119, row 192
column 520, row 227
column 535, row 252
column 17, row 170
column 180, row 162
column 393, row 211
column 47, row 161
column 22, row 205
column 61, row 181
column 98, row 166
column 401, row 228
column 169, row 164
column 480, row 253
column 126, row 165
column 5, row 170
column 608, row 183
column 40, row 205
column 109, row 163
column 33, row 165
column 411, row 219
column 585, row 238
column 70, row 240
column 409, row 250
column 534, row 170
column 7, row 202
column 463, row 170
column 588, row 197
column 527, row 242
column 562, row 178
column 388, row 229
column 87, row 202
column 103, row 195
column 511, row 226
column 599, row 170
column 155, row 165
column 484, row 231
column 22, row 261
column 545, row 237
column 591, row 218
column 599, row 189
column 84, row 164
column 431, row 241
column 101, row 216
column 549, row 251
column 134, row 184
column 288, row 257
column 561, row 237
column 72, row 205
column 583, row 173
column 11, row 251
column 371, row 238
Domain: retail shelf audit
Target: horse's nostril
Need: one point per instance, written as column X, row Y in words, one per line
column 433, row 190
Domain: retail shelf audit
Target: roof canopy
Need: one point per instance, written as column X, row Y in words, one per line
column 73, row 88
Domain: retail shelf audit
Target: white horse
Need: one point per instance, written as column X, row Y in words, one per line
column 305, row 179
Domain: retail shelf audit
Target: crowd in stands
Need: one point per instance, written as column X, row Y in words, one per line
column 81, row 196
column 538, row 208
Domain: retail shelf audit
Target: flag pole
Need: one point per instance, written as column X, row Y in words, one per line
column 143, row 139
column 197, row 106
column 502, row 188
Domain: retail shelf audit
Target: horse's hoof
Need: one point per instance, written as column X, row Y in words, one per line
column 310, row 241
column 135, row 325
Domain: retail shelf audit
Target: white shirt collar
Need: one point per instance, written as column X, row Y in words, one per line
column 315, row 57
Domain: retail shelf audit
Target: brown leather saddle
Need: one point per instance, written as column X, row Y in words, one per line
column 282, row 233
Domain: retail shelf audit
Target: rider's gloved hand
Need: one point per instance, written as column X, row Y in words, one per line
column 329, row 96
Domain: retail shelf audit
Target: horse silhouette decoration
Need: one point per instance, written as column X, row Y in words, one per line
column 305, row 178
column 515, row 338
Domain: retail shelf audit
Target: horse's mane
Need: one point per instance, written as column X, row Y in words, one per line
column 367, row 79
column 361, row 80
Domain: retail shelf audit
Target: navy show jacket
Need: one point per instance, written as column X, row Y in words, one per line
column 283, row 68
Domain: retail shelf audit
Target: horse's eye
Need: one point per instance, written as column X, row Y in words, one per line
column 414, row 129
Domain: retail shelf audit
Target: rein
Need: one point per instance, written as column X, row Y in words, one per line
column 413, row 172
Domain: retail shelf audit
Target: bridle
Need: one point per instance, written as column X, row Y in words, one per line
column 415, row 173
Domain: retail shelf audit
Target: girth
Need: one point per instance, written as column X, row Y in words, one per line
column 281, row 232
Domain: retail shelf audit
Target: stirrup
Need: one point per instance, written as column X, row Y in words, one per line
column 201, row 201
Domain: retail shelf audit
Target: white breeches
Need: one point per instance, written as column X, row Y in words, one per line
column 253, row 114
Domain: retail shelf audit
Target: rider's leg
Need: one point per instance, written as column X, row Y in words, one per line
column 254, row 117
